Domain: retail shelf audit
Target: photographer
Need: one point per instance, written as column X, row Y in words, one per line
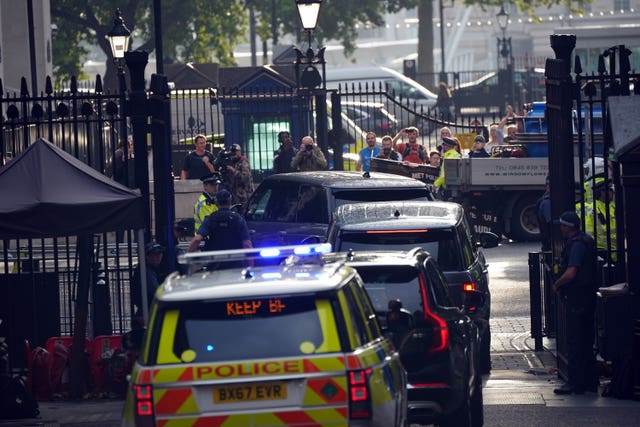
column 387, row 152
column 309, row 157
column 236, row 173
column 285, row 154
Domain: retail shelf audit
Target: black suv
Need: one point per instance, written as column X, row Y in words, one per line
column 436, row 340
column 288, row 208
column 442, row 229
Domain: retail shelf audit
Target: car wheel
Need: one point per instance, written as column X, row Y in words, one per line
column 484, row 359
column 462, row 416
column 524, row 220
column 477, row 404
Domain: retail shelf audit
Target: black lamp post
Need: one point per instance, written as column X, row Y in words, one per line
column 119, row 38
column 505, row 57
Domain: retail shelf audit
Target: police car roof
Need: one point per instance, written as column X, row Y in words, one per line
column 263, row 281
column 403, row 214
column 349, row 179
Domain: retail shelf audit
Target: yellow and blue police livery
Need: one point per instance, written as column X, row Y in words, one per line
column 296, row 344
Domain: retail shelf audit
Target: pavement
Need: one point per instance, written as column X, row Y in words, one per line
column 520, row 376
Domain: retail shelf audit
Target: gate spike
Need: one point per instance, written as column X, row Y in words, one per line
column 602, row 69
column 1, row 88
column 577, row 65
column 98, row 84
column 24, row 92
column 48, row 86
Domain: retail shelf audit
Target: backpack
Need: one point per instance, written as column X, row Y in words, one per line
column 407, row 151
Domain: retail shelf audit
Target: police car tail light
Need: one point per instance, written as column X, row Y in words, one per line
column 143, row 405
column 440, row 339
column 359, row 394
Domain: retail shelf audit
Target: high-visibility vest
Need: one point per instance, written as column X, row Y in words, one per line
column 202, row 209
column 595, row 224
column 451, row 154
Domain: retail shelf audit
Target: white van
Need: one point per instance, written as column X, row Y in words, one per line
column 394, row 82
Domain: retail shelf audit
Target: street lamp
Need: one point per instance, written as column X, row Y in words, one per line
column 309, row 10
column 119, row 37
column 505, row 58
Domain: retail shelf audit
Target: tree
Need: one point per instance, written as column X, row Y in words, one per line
column 425, row 29
column 195, row 30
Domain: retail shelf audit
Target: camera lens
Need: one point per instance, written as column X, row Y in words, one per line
column 308, row 147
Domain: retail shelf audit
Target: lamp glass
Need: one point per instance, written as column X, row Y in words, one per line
column 503, row 18
column 119, row 45
column 309, row 13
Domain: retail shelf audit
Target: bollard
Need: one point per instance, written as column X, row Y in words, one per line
column 535, row 299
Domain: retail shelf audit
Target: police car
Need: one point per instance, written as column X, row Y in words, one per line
column 295, row 344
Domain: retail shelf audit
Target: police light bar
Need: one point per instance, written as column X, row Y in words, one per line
column 254, row 253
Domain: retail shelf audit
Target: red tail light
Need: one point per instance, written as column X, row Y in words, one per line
column 359, row 395
column 469, row 287
column 438, row 324
column 384, row 125
column 143, row 401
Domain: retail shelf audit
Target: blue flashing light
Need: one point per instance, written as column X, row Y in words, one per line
column 302, row 250
column 272, row 275
column 209, row 347
column 324, row 248
column 303, row 275
column 270, row 252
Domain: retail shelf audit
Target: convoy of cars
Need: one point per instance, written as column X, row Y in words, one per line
column 320, row 326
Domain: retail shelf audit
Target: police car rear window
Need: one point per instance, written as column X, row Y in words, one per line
column 239, row 328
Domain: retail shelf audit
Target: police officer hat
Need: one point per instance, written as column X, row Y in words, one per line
column 449, row 141
column 235, row 147
column 568, row 218
column 213, row 178
column 223, row 196
column 153, row 248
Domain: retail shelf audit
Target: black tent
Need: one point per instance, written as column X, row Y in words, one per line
column 46, row 192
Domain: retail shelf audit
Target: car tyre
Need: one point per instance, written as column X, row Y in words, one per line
column 461, row 416
column 484, row 359
column 524, row 222
column 477, row 404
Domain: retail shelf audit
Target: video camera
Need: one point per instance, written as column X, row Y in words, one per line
column 225, row 158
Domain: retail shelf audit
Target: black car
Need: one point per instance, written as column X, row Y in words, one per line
column 371, row 116
column 436, row 340
column 442, row 229
column 289, row 208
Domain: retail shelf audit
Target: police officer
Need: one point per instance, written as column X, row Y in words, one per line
column 577, row 286
column 223, row 229
column 600, row 220
column 543, row 212
column 206, row 204
column 449, row 146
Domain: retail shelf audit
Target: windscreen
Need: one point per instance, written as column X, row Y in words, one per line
column 256, row 328
column 441, row 244
column 343, row 197
column 384, row 283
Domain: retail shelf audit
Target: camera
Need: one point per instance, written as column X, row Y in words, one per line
column 224, row 159
column 386, row 150
column 308, row 147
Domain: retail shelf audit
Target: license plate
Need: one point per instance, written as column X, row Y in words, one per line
column 247, row 393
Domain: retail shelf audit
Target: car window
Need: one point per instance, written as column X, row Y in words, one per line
column 237, row 329
column 274, row 204
column 342, row 197
column 441, row 244
column 384, row 283
column 469, row 250
column 312, row 205
column 438, row 284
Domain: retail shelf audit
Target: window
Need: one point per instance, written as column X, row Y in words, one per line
column 385, row 283
column 438, row 284
column 247, row 329
column 342, row 197
column 312, row 205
